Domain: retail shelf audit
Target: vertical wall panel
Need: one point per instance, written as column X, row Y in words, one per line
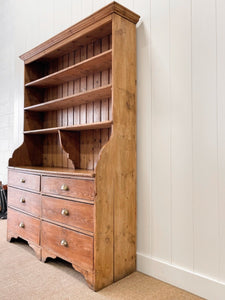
column 181, row 136
column 205, row 188
column 221, row 130
column 143, row 121
column 161, row 131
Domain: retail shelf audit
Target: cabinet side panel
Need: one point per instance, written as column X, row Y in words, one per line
column 124, row 158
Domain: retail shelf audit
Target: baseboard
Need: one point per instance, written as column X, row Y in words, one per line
column 192, row 282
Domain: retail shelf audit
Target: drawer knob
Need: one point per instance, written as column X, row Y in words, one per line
column 64, row 243
column 22, row 200
column 22, row 225
column 64, row 187
column 22, row 180
column 65, row 212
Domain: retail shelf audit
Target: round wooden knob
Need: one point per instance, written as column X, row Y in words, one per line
column 64, row 187
column 64, row 243
column 22, row 200
column 22, row 180
column 22, row 225
column 65, row 212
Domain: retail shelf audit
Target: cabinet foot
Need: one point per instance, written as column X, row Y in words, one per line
column 45, row 254
column 88, row 275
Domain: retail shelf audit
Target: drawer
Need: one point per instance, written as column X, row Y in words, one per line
column 24, row 180
column 70, row 245
column 68, row 187
column 68, row 212
column 24, row 226
column 26, row 201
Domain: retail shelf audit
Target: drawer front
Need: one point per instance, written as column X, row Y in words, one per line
column 24, row 180
column 24, row 226
column 68, row 212
column 68, row 244
column 26, row 201
column 78, row 188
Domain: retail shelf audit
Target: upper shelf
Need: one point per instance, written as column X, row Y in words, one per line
column 96, row 125
column 72, row 100
column 96, row 63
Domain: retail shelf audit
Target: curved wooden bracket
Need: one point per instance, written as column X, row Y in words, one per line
column 70, row 143
column 28, row 153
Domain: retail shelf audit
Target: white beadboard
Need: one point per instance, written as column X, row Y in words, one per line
column 161, row 131
column 180, row 126
column 181, row 133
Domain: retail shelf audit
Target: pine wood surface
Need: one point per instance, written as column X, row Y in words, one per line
column 80, row 246
column 77, row 188
column 58, row 171
column 80, row 141
column 24, row 180
column 80, row 215
column 99, row 62
column 31, row 230
column 102, row 92
column 26, row 201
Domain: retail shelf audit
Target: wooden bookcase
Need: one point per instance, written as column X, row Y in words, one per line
column 72, row 183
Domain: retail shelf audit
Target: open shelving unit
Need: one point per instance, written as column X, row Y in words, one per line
column 72, row 182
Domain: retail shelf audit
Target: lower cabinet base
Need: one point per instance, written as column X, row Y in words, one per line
column 42, row 254
column 37, row 249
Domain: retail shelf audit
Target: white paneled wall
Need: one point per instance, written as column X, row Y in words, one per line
column 180, row 126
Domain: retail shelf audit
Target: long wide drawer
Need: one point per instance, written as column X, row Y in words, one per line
column 26, row 201
column 24, row 226
column 68, row 187
column 68, row 244
column 72, row 213
column 24, row 180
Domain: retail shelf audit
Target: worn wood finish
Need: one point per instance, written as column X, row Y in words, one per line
column 80, row 215
column 55, row 171
column 26, row 201
column 97, row 125
column 99, row 62
column 124, row 162
column 79, row 250
column 31, row 230
column 24, row 180
column 74, row 99
column 77, row 188
column 80, row 140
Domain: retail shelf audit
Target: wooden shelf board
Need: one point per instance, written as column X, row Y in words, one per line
column 55, row 170
column 73, row 100
column 96, row 63
column 97, row 125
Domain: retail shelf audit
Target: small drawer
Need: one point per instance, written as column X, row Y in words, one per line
column 72, row 213
column 26, row 201
column 24, row 180
column 68, row 187
column 70, row 245
column 24, row 226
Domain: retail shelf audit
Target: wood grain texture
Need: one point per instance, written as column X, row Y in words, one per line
column 79, row 250
column 31, row 230
column 76, row 188
column 80, row 215
column 24, row 180
column 115, row 235
column 31, row 202
column 97, row 63
column 74, row 99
